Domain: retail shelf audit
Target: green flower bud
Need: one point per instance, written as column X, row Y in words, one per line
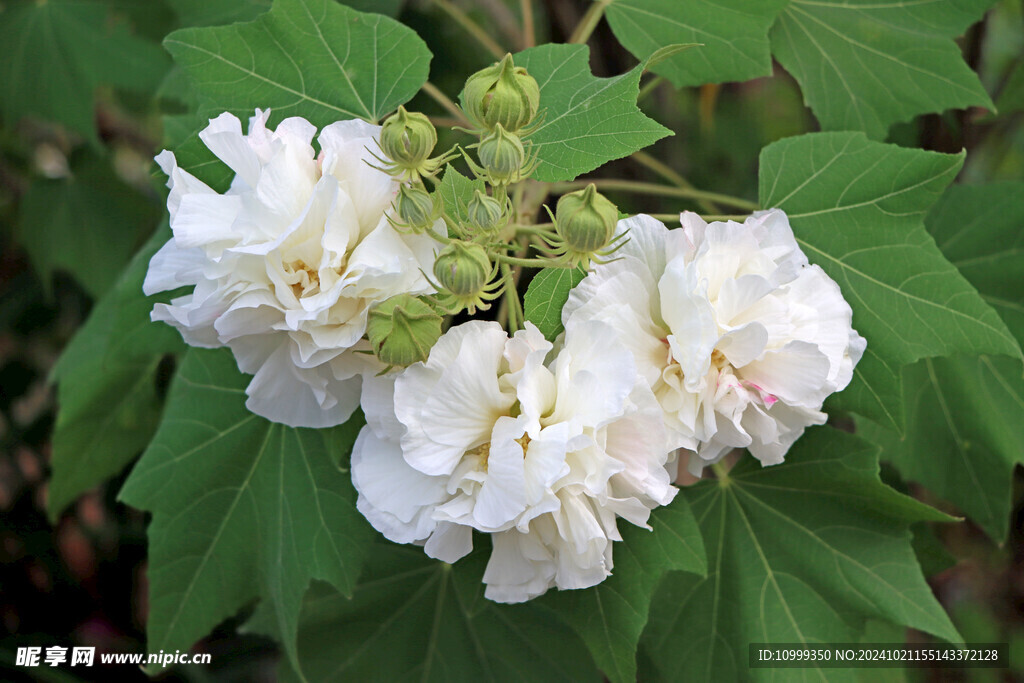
column 585, row 220
column 485, row 213
column 502, row 156
column 502, row 94
column 463, row 268
column 408, row 139
column 402, row 330
column 416, row 208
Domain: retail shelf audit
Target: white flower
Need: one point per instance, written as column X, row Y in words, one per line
column 485, row 436
column 286, row 263
column 739, row 337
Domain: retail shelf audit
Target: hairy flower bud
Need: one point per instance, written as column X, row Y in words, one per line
column 502, row 94
column 502, row 156
column 402, row 330
column 416, row 208
column 463, row 268
column 585, row 220
column 485, row 213
column 408, row 139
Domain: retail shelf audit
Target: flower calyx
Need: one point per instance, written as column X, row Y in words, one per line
column 416, row 209
column 402, row 330
column 585, row 223
column 502, row 94
column 485, row 214
column 464, row 272
column 504, row 159
column 407, row 139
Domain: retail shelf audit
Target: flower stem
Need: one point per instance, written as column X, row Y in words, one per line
column 528, row 262
column 528, row 30
column 511, row 298
column 671, row 175
column 435, row 93
column 589, row 22
column 471, row 27
column 651, row 188
column 721, row 471
column 709, row 217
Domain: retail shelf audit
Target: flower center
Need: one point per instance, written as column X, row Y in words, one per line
column 306, row 279
column 483, row 451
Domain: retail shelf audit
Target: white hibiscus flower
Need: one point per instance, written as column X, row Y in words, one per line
column 739, row 337
column 285, row 264
column 485, row 436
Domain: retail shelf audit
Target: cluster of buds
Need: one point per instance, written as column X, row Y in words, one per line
column 502, row 103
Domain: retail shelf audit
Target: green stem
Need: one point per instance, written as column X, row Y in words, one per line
column 529, row 39
column 651, row 188
column 511, row 298
column 671, row 175
column 589, row 22
column 471, row 27
column 709, row 217
column 721, row 471
column 435, row 93
column 649, row 87
column 528, row 263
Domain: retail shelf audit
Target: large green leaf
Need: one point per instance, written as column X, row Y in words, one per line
column 587, row 121
column 242, row 509
column 88, row 224
column 864, row 65
column 414, row 618
column 107, row 386
column 611, row 616
column 311, row 58
column 546, row 296
column 805, row 551
column 857, row 210
column 53, row 55
column 217, row 12
column 733, row 35
column 964, row 414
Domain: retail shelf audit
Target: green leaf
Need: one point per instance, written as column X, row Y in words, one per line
column 53, row 55
column 864, row 65
column 978, row 228
column 311, row 58
column 857, row 210
column 456, row 191
column 733, row 36
column 88, row 224
column 242, row 509
column 611, row 616
column 107, row 392
column 805, row 551
column 964, row 414
column 414, row 618
column 217, row 12
column 546, row 296
column 587, row 120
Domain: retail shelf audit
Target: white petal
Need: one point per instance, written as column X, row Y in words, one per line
column 449, row 542
column 223, row 136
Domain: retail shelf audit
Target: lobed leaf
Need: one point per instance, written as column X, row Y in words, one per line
column 311, row 58
column 733, row 36
column 806, row 551
column 864, row 65
column 587, row 121
column 857, row 210
column 242, row 509
column 546, row 296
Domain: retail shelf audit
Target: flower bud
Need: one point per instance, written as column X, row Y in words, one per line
column 463, row 268
column 485, row 213
column 408, row 139
column 502, row 94
column 416, row 208
column 585, row 220
column 502, row 156
column 402, row 330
